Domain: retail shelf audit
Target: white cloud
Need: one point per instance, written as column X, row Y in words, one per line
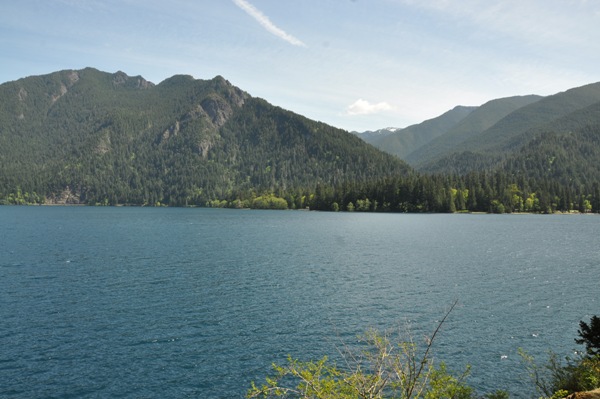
column 266, row 23
column 363, row 107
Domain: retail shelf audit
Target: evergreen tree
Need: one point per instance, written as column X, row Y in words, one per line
column 590, row 336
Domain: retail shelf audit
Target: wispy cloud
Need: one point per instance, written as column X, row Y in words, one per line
column 527, row 21
column 266, row 23
column 363, row 107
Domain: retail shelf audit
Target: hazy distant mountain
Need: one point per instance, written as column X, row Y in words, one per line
column 558, row 113
column 404, row 141
column 472, row 125
column 95, row 137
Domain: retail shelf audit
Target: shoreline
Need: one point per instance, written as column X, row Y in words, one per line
column 570, row 213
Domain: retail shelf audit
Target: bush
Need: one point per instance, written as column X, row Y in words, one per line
column 381, row 369
column 269, row 201
column 500, row 394
column 557, row 378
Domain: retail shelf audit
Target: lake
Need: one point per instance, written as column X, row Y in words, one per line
column 175, row 303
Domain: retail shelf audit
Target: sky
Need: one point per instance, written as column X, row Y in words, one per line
column 355, row 64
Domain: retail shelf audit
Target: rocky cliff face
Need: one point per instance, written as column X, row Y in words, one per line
column 221, row 104
column 208, row 113
column 122, row 79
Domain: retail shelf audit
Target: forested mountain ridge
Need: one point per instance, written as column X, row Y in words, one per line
column 98, row 138
column 404, row 141
column 558, row 113
column 496, row 131
column 92, row 137
column 481, row 119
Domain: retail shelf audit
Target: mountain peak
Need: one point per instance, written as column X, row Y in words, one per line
column 120, row 78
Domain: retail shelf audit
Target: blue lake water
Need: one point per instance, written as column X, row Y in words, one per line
column 175, row 303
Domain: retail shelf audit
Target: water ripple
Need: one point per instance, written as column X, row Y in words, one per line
column 132, row 302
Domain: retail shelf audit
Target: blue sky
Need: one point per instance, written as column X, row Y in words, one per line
column 355, row 64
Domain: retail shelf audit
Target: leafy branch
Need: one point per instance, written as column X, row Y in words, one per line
column 382, row 369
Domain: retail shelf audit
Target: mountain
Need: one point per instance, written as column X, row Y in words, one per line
column 558, row 113
column 481, row 119
column 86, row 136
column 91, row 137
column 372, row 137
column 409, row 139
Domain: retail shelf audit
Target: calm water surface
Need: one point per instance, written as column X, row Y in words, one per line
column 174, row 303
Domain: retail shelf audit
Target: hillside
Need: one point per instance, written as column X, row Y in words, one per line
column 561, row 159
column 558, row 113
column 565, row 154
column 91, row 137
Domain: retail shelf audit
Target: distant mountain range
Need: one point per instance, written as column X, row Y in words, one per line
column 402, row 142
column 468, row 139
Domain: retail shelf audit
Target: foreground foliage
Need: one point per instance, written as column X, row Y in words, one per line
column 590, row 336
column 386, row 369
column 557, row 379
column 380, row 369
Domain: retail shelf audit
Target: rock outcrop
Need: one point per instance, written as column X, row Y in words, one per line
column 595, row 394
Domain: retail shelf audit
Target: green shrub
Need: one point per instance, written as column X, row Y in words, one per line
column 380, row 369
column 570, row 375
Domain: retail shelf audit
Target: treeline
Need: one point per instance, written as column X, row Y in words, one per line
column 476, row 192
column 487, row 192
